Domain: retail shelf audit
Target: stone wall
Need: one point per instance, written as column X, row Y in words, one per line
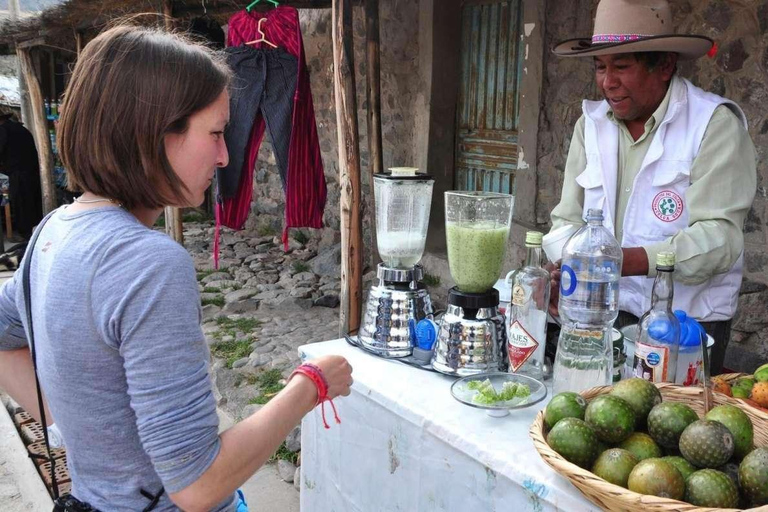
column 404, row 110
column 738, row 72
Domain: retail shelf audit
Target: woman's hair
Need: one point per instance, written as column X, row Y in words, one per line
column 131, row 87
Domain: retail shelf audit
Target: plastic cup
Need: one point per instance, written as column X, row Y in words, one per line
column 554, row 241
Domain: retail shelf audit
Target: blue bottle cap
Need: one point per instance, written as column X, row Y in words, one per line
column 691, row 331
column 661, row 329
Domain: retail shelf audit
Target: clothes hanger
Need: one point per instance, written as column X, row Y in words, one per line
column 263, row 38
column 253, row 4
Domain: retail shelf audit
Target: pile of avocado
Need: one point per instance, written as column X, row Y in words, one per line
column 630, row 438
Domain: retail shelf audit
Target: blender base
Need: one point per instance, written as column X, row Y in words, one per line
column 390, row 310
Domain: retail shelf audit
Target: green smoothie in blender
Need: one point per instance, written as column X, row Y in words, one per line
column 475, row 254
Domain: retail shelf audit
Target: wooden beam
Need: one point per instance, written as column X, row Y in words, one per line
column 373, row 95
column 173, row 223
column 373, row 90
column 40, row 127
column 31, row 43
column 349, row 167
column 78, row 41
column 52, row 75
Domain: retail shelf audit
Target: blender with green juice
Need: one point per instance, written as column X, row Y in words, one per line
column 472, row 337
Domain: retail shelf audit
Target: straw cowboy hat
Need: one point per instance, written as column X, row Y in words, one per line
column 627, row 26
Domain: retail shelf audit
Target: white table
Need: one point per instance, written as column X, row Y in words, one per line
column 405, row 444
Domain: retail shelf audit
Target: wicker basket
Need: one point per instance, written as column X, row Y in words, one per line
column 730, row 377
column 613, row 497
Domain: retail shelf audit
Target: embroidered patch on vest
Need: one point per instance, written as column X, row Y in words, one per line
column 667, row 206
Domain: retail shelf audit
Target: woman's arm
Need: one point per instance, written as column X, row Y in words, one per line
column 17, row 378
column 249, row 444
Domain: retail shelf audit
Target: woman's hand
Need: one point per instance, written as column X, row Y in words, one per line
column 337, row 372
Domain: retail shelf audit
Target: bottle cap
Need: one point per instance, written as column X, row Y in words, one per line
column 533, row 239
column 691, row 331
column 662, row 329
column 665, row 259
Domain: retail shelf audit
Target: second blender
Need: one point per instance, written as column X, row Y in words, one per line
column 472, row 335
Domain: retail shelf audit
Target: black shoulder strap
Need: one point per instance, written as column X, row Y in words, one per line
column 25, row 280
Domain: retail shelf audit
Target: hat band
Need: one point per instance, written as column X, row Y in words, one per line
column 617, row 38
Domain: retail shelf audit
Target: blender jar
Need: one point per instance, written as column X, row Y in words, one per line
column 403, row 200
column 476, row 230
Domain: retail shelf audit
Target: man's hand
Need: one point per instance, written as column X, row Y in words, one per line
column 635, row 262
column 554, row 285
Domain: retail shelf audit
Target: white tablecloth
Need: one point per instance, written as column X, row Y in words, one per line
column 405, row 444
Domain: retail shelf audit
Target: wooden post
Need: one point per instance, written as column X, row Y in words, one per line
column 8, row 225
column 78, row 42
column 349, row 167
column 40, row 127
column 373, row 90
column 373, row 94
column 173, row 224
column 52, row 75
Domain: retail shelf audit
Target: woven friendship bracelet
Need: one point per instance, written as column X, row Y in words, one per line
column 315, row 374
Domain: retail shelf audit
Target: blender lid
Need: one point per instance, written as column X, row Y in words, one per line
column 404, row 173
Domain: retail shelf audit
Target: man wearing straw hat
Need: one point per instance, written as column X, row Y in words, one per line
column 671, row 166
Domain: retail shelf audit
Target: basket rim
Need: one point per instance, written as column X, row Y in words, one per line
column 604, row 493
column 729, row 377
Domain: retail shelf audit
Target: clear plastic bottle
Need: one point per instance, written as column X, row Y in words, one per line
column 658, row 340
column 527, row 313
column 589, row 304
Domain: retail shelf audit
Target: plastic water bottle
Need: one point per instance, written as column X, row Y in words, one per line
column 589, row 304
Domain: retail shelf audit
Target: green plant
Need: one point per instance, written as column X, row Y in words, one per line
column 210, row 289
column 431, row 280
column 239, row 324
column 266, row 230
column 269, row 385
column 283, row 453
column 160, row 222
column 300, row 266
column 216, row 301
column 202, row 274
column 196, row 216
column 237, row 286
column 247, row 378
column 231, row 351
column 301, row 237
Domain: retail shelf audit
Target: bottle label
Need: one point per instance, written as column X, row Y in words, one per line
column 521, row 345
column 651, row 362
column 518, row 295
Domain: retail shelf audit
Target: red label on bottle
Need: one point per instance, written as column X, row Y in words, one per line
column 521, row 345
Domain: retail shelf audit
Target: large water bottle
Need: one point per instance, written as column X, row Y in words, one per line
column 589, row 304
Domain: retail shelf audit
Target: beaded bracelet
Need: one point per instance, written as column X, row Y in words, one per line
column 315, row 374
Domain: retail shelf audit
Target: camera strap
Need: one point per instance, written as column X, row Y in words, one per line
column 25, row 278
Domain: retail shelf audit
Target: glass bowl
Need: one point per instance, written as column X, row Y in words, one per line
column 463, row 392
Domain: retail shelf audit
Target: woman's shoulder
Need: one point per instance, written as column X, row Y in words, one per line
column 127, row 244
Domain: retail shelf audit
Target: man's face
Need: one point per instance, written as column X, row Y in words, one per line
column 633, row 92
